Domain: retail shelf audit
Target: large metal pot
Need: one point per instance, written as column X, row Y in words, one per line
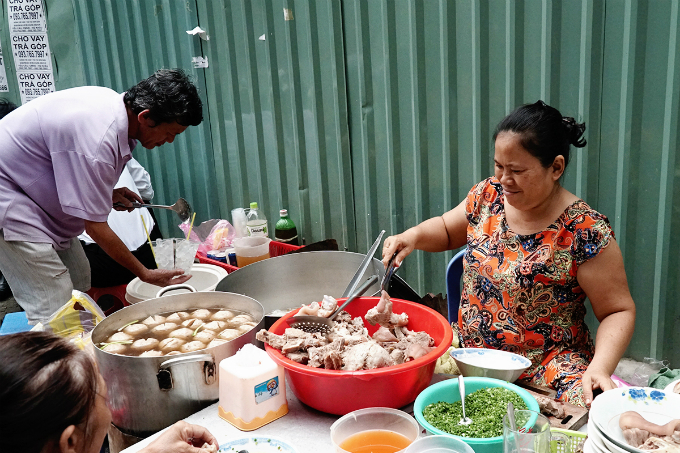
column 146, row 394
column 288, row 281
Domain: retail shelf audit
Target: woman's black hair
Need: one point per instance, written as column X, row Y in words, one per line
column 543, row 131
column 169, row 96
column 46, row 385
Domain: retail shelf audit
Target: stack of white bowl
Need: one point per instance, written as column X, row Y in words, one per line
column 604, row 433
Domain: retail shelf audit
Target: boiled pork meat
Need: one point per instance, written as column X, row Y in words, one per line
column 365, row 356
column 645, row 435
column 348, row 346
column 382, row 314
column 550, row 406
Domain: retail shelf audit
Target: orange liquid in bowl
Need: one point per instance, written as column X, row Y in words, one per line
column 375, row 441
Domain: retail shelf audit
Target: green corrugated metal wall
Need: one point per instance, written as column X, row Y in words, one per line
column 361, row 115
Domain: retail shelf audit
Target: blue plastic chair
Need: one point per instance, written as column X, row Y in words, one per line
column 454, row 271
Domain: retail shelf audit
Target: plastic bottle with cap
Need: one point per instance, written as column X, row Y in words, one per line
column 257, row 222
column 252, row 389
column 284, row 230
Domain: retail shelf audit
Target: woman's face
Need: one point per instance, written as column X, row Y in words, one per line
column 526, row 183
column 101, row 418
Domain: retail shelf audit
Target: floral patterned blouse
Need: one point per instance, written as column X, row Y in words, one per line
column 520, row 292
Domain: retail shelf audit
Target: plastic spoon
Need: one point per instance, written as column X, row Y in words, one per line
column 513, row 424
column 461, row 386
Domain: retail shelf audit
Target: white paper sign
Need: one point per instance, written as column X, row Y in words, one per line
column 200, row 62
column 3, row 75
column 26, row 16
column 30, row 48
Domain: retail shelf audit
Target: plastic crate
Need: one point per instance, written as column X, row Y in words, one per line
column 275, row 249
column 576, row 440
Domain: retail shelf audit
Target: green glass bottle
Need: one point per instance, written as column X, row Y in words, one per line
column 285, row 230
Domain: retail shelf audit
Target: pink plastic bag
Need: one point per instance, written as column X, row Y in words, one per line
column 212, row 234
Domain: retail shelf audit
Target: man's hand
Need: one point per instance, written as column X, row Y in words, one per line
column 183, row 437
column 126, row 197
column 164, row 277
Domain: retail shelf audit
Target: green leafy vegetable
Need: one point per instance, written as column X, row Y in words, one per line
column 128, row 324
column 486, row 407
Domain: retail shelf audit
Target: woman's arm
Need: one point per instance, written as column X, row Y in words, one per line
column 437, row 234
column 603, row 279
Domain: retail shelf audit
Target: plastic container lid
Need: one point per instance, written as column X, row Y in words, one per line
column 283, row 212
column 253, row 205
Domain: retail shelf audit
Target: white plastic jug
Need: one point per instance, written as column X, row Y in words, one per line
column 252, row 389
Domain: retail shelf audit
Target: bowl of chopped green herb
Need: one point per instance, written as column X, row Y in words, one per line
column 438, row 410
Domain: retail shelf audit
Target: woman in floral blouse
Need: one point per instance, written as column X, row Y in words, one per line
column 535, row 251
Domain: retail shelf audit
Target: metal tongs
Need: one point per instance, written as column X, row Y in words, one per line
column 321, row 324
column 391, row 269
column 363, row 266
column 181, row 207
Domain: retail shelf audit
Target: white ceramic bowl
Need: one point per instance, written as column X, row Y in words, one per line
column 439, row 444
column 204, row 277
column 490, row 363
column 264, row 444
column 654, row 405
column 670, row 387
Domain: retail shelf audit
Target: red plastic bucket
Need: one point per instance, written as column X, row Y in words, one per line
column 340, row 392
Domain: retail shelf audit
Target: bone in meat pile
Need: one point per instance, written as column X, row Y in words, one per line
column 348, row 346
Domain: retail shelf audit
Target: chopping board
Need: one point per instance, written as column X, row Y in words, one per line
column 576, row 416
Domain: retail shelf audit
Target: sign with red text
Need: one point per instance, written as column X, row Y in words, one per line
column 30, row 48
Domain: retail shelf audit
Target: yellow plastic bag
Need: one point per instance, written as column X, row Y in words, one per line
column 76, row 319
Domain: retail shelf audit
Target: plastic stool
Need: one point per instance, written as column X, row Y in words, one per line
column 14, row 323
column 110, row 299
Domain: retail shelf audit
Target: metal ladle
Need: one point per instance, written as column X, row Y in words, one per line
column 181, row 207
column 461, row 386
column 312, row 324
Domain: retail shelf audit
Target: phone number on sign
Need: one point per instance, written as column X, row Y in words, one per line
column 36, row 91
column 25, row 16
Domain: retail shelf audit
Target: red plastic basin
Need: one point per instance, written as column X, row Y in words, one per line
column 340, row 392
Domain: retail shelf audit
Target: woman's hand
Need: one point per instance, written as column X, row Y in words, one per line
column 182, row 437
column 401, row 243
column 593, row 379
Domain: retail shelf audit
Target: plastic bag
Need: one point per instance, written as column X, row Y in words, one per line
column 648, row 367
column 212, row 234
column 76, row 319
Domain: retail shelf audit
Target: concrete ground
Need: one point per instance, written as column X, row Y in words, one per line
column 8, row 306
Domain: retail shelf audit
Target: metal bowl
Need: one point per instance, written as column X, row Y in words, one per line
column 490, row 363
column 286, row 282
